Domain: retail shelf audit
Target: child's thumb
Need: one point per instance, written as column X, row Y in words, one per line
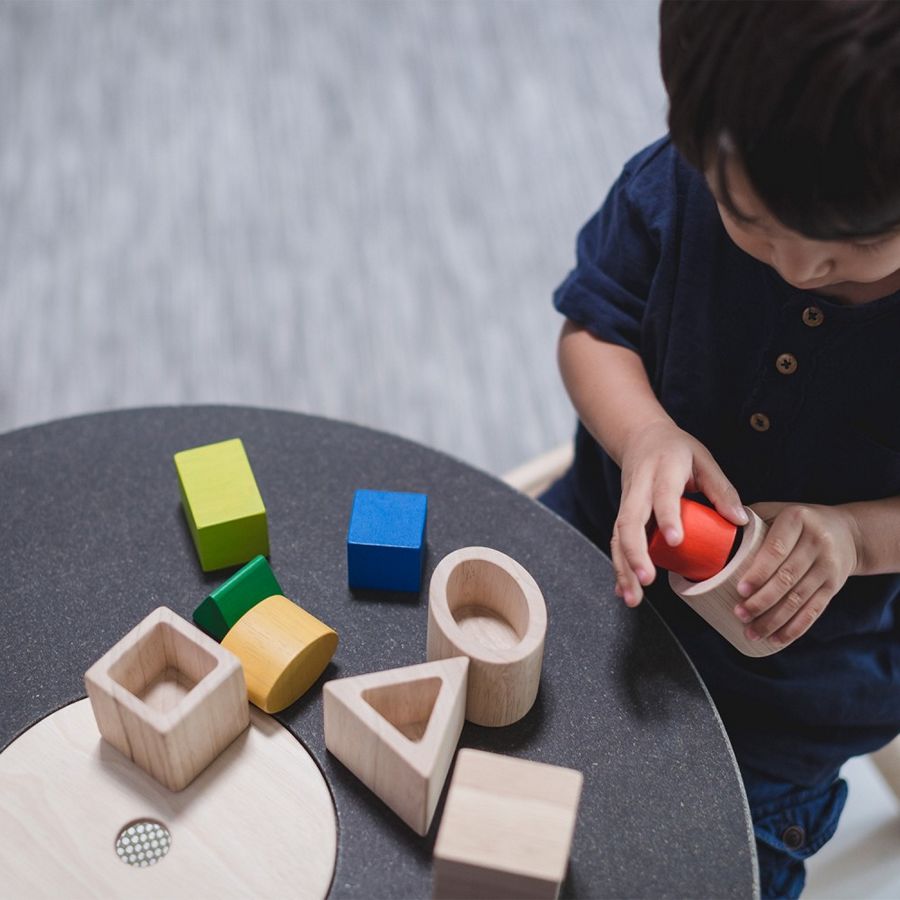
column 722, row 494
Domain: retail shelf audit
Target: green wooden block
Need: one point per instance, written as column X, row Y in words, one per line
column 227, row 603
column 224, row 509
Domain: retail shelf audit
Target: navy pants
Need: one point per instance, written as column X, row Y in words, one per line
column 790, row 821
column 790, row 824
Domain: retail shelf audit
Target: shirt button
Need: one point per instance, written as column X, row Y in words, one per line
column 786, row 363
column 813, row 316
column 794, row 837
column 760, row 422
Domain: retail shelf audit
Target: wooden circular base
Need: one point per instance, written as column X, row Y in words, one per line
column 259, row 822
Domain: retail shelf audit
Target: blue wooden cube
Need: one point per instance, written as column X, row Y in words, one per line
column 386, row 540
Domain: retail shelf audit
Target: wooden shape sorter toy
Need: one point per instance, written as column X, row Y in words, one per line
column 397, row 731
column 80, row 821
column 507, row 828
column 222, row 504
column 283, row 650
column 714, row 597
column 484, row 605
column 386, row 540
column 168, row 697
column 219, row 612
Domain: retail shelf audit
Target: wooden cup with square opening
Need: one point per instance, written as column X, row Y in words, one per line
column 169, row 698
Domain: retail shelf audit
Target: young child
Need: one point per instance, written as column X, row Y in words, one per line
column 733, row 329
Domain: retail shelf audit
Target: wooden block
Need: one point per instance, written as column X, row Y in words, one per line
column 219, row 612
column 397, row 731
column 484, row 605
column 386, row 540
column 715, row 599
column 507, row 828
column 224, row 509
column 706, row 546
column 283, row 650
column 168, row 697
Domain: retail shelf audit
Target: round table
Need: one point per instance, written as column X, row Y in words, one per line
column 92, row 538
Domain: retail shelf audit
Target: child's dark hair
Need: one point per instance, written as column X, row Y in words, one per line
column 806, row 95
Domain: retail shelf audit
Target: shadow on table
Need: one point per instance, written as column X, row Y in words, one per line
column 648, row 675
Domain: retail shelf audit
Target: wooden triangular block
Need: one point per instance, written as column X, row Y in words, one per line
column 397, row 730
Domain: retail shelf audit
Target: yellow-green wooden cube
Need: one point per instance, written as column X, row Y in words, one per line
column 222, row 504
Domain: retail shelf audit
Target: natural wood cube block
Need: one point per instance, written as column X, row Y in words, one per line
column 507, row 828
column 168, row 697
column 222, row 504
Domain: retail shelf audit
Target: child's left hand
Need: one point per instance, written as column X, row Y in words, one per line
column 808, row 554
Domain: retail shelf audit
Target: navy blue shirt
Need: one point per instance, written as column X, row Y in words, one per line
column 657, row 273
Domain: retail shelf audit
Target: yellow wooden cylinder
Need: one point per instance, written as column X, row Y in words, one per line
column 283, row 650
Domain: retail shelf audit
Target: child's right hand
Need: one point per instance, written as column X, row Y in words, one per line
column 660, row 463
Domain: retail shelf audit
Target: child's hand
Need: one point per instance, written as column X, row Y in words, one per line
column 659, row 463
column 806, row 557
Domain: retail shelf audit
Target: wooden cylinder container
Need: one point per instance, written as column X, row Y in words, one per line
column 715, row 598
column 484, row 605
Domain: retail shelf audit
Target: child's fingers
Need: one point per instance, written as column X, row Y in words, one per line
column 776, row 570
column 802, row 621
column 710, row 480
column 629, row 542
column 667, row 492
column 787, row 608
column 627, row 585
column 784, row 585
column 631, row 526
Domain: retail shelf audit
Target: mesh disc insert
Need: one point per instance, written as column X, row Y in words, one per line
column 143, row 843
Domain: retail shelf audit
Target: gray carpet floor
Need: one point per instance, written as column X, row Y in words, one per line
column 353, row 209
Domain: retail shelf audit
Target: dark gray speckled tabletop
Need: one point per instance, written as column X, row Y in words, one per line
column 92, row 538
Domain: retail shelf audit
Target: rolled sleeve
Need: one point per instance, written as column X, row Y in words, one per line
column 617, row 256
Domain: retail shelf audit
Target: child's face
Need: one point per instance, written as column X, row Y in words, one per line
column 811, row 265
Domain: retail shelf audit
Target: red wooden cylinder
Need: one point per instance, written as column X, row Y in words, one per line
column 707, row 543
